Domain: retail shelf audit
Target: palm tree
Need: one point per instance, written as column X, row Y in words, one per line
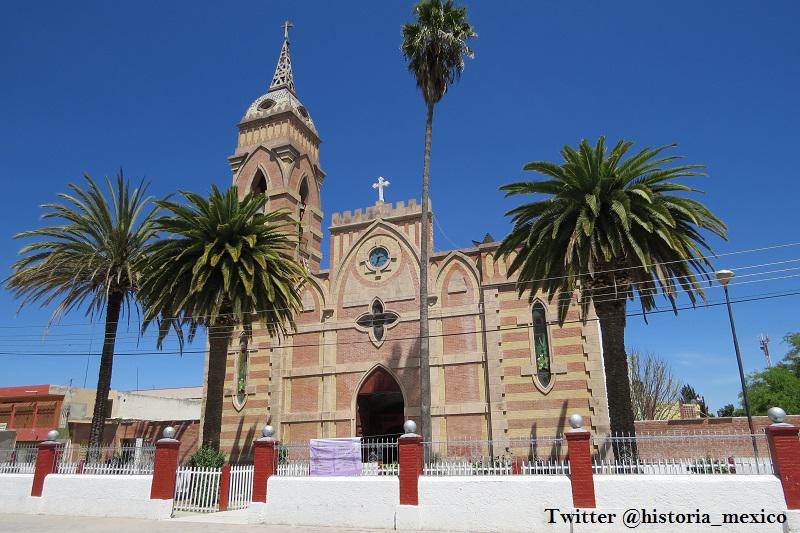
column 222, row 263
column 435, row 47
column 90, row 259
column 610, row 228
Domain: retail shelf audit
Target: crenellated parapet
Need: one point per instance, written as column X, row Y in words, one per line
column 393, row 212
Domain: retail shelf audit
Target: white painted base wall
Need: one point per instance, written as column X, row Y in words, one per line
column 710, row 494
column 486, row 503
column 15, row 493
column 367, row 502
column 83, row 495
column 517, row 503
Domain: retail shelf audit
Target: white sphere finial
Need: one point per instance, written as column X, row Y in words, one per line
column 52, row 434
column 575, row 421
column 777, row 415
column 169, row 432
column 410, row 426
column 268, row 431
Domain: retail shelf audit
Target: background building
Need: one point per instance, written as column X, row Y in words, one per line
column 29, row 412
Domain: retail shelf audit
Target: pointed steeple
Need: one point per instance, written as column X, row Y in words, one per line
column 283, row 72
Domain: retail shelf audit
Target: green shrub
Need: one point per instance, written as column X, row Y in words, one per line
column 207, row 457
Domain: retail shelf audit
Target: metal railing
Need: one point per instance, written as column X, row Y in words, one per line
column 376, row 457
column 499, row 457
column 707, row 452
column 21, row 459
column 120, row 460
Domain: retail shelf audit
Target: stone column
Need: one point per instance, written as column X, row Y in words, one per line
column 579, row 449
column 45, row 462
column 265, row 461
column 165, row 468
column 411, row 464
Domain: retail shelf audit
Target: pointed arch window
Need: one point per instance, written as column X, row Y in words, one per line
column 259, row 185
column 301, row 208
column 541, row 344
column 241, row 370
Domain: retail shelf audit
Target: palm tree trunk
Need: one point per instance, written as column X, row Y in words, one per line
column 618, row 388
column 424, row 341
column 106, row 365
column 219, row 339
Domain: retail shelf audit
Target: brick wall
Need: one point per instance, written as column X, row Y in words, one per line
column 707, row 440
column 187, row 432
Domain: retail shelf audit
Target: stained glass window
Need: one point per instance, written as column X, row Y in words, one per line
column 541, row 343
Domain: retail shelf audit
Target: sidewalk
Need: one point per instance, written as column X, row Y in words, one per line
column 231, row 521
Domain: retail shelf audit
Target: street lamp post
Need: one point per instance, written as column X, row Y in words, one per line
column 724, row 277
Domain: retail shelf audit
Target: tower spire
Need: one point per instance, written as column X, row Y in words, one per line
column 283, row 72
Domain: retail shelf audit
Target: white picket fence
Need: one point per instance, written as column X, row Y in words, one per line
column 303, row 469
column 13, row 467
column 241, row 492
column 20, row 459
column 463, row 468
column 197, row 489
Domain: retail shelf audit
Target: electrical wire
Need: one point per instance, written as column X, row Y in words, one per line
column 753, row 298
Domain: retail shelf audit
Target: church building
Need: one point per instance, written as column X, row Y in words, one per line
column 500, row 366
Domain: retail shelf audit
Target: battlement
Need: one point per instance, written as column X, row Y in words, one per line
column 386, row 211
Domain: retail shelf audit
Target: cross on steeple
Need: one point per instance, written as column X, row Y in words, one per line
column 286, row 25
column 380, row 185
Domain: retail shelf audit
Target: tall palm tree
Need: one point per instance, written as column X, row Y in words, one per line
column 222, row 263
column 88, row 259
column 610, row 228
column 435, row 47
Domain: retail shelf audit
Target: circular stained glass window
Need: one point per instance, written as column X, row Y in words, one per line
column 378, row 257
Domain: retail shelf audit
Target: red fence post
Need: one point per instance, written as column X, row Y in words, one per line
column 784, row 447
column 224, row 487
column 45, row 462
column 412, row 460
column 265, row 461
column 165, row 469
column 579, row 454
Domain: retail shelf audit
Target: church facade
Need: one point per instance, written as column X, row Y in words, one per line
column 501, row 368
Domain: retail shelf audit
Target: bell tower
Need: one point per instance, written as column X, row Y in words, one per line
column 277, row 153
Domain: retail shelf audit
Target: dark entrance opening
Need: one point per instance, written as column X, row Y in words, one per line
column 379, row 406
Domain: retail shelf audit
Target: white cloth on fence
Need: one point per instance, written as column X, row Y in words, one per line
column 336, row 457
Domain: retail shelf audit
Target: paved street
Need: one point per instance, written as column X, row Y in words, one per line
column 218, row 522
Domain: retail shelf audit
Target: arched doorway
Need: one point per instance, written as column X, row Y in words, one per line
column 379, row 406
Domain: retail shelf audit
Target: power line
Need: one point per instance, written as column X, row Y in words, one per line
column 136, row 338
column 754, row 298
column 596, row 298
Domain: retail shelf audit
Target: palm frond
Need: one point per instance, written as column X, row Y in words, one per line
column 618, row 228
column 222, row 261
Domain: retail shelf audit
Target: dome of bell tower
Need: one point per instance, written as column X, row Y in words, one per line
column 281, row 96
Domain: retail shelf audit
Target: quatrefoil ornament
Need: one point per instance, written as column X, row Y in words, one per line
column 377, row 321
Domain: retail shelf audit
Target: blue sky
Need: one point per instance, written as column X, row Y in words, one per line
column 157, row 88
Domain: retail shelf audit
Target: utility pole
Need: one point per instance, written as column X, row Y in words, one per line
column 763, row 341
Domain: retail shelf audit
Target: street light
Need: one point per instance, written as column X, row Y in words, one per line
column 724, row 277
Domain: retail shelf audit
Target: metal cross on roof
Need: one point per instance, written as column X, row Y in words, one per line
column 380, row 185
column 286, row 25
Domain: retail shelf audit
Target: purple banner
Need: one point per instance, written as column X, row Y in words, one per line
column 336, row 457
